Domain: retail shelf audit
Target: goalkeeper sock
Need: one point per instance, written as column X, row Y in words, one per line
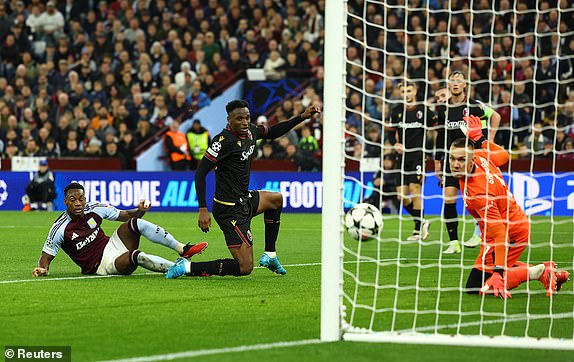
column 155, row 233
column 214, row 267
column 150, row 262
column 417, row 218
column 409, row 208
column 451, row 218
column 272, row 220
column 519, row 275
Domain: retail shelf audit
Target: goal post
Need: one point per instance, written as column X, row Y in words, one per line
column 391, row 290
column 333, row 169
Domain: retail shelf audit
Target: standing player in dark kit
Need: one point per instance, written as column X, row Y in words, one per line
column 78, row 232
column 231, row 153
column 411, row 121
column 450, row 118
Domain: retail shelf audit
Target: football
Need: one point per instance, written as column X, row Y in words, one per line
column 364, row 221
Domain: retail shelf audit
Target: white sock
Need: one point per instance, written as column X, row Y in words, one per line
column 158, row 235
column 187, row 267
column 153, row 262
column 534, row 272
column 271, row 254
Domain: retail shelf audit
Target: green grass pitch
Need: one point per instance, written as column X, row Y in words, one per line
column 146, row 315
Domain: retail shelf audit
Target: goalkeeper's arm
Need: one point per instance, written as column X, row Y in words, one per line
column 494, row 118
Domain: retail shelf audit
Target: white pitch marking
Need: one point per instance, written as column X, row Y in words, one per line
column 207, row 352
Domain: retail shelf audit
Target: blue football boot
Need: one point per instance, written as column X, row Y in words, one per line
column 272, row 264
column 177, row 269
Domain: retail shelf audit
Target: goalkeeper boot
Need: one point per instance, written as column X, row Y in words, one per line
column 453, row 248
column 190, row 250
column 472, row 242
column 562, row 276
column 177, row 269
column 272, row 264
column 548, row 277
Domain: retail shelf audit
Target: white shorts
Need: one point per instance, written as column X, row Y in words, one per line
column 112, row 251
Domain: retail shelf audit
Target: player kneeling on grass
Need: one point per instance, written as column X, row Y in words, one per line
column 78, row 232
column 504, row 225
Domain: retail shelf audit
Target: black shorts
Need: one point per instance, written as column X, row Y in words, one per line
column 235, row 220
column 448, row 180
column 412, row 171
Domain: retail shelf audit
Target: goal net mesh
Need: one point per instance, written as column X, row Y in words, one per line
column 517, row 58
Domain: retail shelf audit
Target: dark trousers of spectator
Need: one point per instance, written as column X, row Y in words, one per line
column 180, row 165
column 43, row 192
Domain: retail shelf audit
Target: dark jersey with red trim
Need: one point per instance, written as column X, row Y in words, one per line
column 450, row 118
column 411, row 125
column 232, row 155
column 83, row 240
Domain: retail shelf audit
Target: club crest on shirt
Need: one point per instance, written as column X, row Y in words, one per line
column 221, row 138
column 92, row 223
column 249, row 236
column 465, row 112
column 239, row 143
column 419, row 114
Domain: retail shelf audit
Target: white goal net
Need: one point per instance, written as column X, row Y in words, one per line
column 517, row 61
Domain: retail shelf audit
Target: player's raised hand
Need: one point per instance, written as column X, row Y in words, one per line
column 204, row 220
column 399, row 148
column 144, row 205
column 473, row 128
column 40, row 272
column 495, row 284
column 311, row 111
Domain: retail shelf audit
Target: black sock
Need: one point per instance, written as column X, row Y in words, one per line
column 409, row 208
column 417, row 218
column 215, row 267
column 272, row 219
column 451, row 219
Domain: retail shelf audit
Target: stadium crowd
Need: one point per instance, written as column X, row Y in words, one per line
column 98, row 78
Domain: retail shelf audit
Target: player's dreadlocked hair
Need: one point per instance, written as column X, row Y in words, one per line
column 238, row 103
column 73, row 186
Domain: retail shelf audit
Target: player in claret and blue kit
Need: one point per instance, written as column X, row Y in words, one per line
column 234, row 205
column 78, row 232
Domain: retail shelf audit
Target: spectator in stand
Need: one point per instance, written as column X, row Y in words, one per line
column 303, row 161
column 112, row 151
column 273, row 66
column 198, row 99
column 567, row 151
column 52, row 149
column 31, row 149
column 537, row 142
column 198, row 140
column 71, row 149
column 308, row 144
column 180, row 110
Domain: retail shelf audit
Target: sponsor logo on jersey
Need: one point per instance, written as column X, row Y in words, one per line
column 411, row 125
column 245, row 154
column 88, row 240
column 455, row 125
column 74, row 236
column 92, row 223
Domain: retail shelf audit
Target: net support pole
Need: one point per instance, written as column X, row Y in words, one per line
column 333, row 168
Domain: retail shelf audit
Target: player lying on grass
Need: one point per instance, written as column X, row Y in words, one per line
column 230, row 153
column 78, row 232
column 505, row 228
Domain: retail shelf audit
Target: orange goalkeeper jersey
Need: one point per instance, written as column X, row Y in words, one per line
column 503, row 223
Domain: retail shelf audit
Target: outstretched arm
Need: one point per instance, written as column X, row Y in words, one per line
column 138, row 213
column 43, row 265
column 473, row 130
column 281, row 128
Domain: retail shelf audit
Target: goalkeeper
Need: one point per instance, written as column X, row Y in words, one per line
column 504, row 225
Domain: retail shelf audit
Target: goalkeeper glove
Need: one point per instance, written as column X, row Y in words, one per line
column 473, row 129
column 496, row 283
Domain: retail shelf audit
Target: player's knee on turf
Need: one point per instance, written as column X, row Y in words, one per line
column 245, row 268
